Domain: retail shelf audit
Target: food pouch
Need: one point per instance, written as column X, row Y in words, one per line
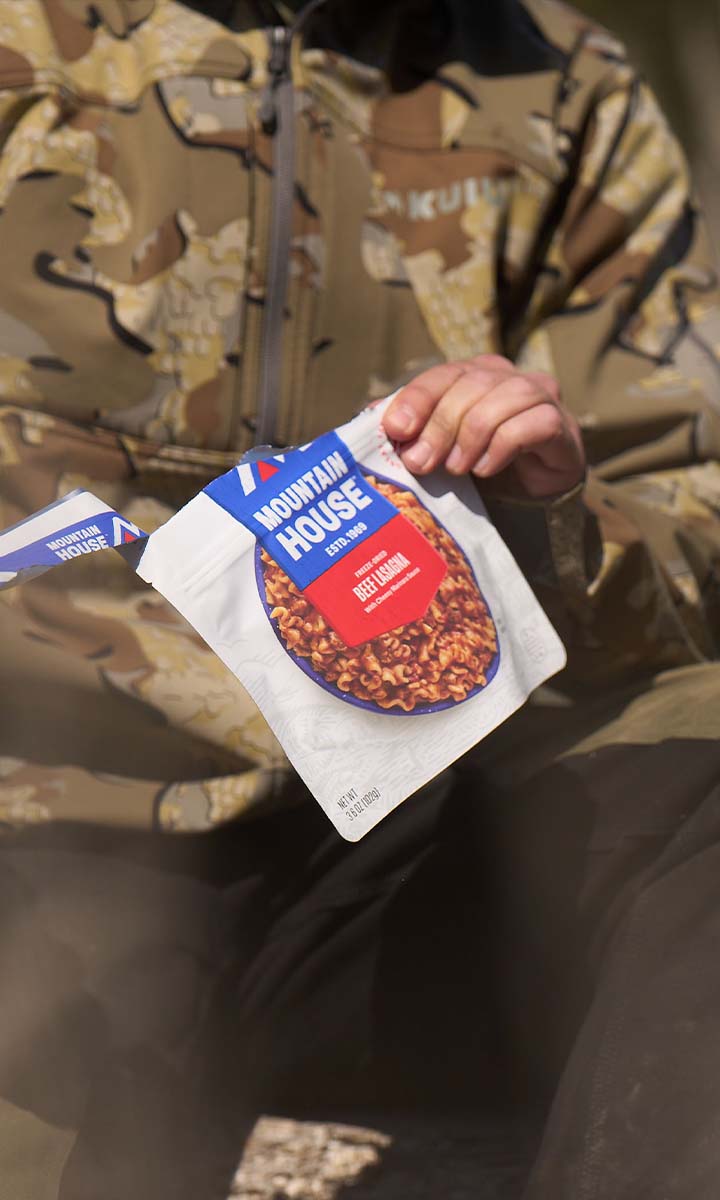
column 378, row 622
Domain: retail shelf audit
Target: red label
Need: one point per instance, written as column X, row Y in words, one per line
column 386, row 581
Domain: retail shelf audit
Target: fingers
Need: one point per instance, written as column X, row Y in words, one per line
column 462, row 424
column 511, row 396
column 540, row 444
column 484, row 415
column 441, row 409
column 408, row 413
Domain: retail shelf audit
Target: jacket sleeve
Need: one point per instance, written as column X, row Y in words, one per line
column 625, row 312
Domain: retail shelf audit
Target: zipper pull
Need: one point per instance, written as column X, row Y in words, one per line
column 278, row 68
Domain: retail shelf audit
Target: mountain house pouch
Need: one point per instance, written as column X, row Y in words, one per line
column 379, row 623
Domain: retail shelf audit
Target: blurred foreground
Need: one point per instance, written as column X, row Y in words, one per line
column 412, row 1157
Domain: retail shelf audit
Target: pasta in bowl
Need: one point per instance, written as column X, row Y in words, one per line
column 436, row 662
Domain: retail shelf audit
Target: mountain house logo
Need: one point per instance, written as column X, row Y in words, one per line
column 251, row 474
column 124, row 531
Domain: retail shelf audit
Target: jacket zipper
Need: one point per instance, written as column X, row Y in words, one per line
column 277, row 119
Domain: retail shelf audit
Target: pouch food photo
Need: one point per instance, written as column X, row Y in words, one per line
column 379, row 623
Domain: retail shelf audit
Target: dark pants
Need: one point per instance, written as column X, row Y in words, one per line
column 543, row 938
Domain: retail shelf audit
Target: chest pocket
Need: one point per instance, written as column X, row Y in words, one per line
column 455, row 212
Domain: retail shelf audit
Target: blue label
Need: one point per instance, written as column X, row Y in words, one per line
column 310, row 510
column 102, row 532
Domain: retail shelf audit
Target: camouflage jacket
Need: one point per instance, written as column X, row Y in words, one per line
column 522, row 194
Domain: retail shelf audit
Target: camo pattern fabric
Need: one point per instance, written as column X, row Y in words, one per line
column 541, row 210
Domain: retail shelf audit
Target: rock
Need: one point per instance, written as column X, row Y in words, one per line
column 305, row 1160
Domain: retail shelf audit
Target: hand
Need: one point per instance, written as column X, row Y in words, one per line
column 486, row 417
